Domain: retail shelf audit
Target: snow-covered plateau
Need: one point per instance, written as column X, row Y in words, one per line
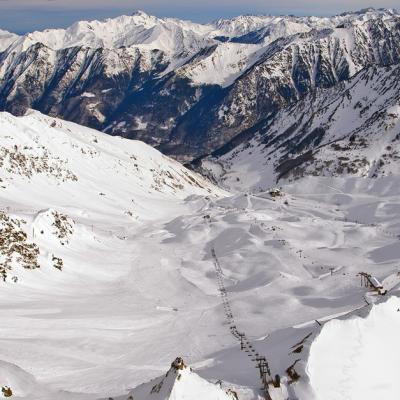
column 117, row 261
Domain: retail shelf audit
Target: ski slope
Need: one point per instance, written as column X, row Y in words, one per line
column 109, row 273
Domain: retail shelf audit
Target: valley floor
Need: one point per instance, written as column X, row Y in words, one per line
column 134, row 295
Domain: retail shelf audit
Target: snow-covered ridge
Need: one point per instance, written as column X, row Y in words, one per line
column 167, row 34
column 164, row 33
column 244, row 24
column 179, row 383
column 36, row 147
column 343, row 356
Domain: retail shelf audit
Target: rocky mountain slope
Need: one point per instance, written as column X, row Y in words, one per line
column 350, row 129
column 188, row 88
column 56, row 163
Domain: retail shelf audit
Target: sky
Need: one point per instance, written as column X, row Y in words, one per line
column 22, row 16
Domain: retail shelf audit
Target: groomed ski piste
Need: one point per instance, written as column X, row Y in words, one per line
column 108, row 276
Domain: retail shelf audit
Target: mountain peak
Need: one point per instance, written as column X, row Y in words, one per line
column 143, row 15
column 180, row 383
column 140, row 13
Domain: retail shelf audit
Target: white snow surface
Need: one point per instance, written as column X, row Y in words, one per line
column 358, row 358
column 6, row 38
column 127, row 280
column 166, row 34
column 223, row 66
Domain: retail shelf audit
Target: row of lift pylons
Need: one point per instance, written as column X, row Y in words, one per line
column 269, row 384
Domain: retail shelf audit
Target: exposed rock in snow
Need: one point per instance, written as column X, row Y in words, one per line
column 352, row 129
column 64, row 153
column 19, row 382
column 180, row 383
column 50, row 161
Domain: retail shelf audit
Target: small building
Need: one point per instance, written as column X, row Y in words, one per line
column 275, row 192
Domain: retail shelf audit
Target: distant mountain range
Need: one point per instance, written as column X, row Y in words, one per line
column 192, row 90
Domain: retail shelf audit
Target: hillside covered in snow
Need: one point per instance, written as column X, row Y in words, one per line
column 180, row 383
column 352, row 129
column 51, row 165
column 115, row 260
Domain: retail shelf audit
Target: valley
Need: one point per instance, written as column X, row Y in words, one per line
column 201, row 210
column 135, row 292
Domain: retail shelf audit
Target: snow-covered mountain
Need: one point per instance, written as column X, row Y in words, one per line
column 69, row 156
column 166, row 34
column 280, row 26
column 184, row 87
column 350, row 129
column 115, row 259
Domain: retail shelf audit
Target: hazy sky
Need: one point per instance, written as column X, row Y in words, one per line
column 26, row 15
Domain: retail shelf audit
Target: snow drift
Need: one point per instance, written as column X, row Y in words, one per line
column 358, row 358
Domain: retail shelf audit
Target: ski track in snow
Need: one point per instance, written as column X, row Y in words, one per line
column 137, row 287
